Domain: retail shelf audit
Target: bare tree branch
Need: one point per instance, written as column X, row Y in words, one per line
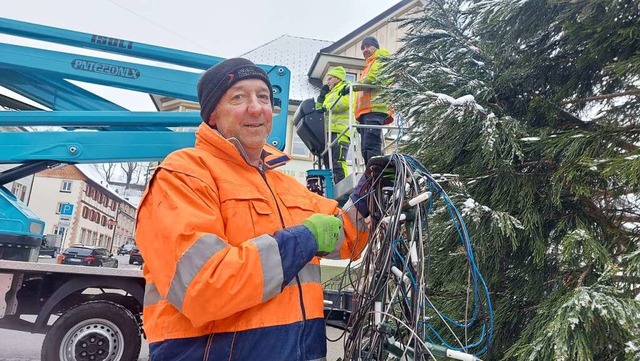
column 107, row 170
column 129, row 169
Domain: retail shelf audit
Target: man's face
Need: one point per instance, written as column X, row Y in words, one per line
column 368, row 50
column 245, row 113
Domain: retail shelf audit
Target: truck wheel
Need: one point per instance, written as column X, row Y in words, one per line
column 93, row 331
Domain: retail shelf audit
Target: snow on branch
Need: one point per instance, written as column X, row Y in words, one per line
column 465, row 100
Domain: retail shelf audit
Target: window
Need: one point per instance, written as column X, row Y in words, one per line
column 61, row 230
column 19, row 190
column 80, row 251
column 85, row 213
column 298, row 149
column 351, row 77
column 103, row 222
column 58, row 207
column 66, row 186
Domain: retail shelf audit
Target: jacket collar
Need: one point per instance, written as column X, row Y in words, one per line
column 211, row 141
column 376, row 54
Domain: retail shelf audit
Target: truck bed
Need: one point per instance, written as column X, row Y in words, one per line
column 6, row 266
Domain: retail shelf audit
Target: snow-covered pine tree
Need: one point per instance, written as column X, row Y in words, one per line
column 535, row 105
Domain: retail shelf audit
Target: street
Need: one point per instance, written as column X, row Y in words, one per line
column 24, row 346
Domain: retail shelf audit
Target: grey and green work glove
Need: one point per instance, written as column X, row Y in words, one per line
column 326, row 230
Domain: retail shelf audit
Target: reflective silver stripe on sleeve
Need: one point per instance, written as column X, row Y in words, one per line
column 356, row 218
column 308, row 273
column 151, row 295
column 335, row 254
column 272, row 274
column 190, row 264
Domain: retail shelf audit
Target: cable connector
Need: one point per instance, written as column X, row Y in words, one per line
column 419, row 199
column 388, row 218
column 400, row 275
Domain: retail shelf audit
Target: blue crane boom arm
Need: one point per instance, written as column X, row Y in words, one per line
column 116, row 73
column 43, row 76
column 102, row 119
column 107, row 44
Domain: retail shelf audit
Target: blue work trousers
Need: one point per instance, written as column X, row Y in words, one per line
column 371, row 138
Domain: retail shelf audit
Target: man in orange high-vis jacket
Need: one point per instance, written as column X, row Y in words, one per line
column 370, row 110
column 230, row 244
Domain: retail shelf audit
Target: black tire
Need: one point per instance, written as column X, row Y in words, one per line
column 130, row 261
column 104, row 326
column 115, row 264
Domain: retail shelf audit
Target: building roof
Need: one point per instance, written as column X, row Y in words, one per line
column 93, row 174
column 296, row 53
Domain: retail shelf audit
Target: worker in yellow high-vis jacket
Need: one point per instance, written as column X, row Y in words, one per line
column 331, row 98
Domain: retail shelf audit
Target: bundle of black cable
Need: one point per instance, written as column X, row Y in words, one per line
column 385, row 315
column 392, row 313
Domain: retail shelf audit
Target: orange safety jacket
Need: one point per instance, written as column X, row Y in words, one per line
column 212, row 265
column 366, row 100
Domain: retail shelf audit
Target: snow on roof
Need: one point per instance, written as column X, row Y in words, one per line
column 92, row 173
column 296, row 54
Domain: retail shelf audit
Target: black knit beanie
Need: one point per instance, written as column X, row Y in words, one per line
column 219, row 78
column 370, row 40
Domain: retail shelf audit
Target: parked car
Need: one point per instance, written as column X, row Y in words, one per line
column 49, row 246
column 125, row 249
column 88, row 256
column 135, row 256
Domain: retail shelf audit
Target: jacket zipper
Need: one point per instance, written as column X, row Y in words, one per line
column 302, row 308
column 264, row 177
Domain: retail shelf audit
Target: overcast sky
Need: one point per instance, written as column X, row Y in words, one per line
column 221, row 28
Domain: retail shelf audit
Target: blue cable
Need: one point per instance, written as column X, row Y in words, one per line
column 477, row 278
column 463, row 234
